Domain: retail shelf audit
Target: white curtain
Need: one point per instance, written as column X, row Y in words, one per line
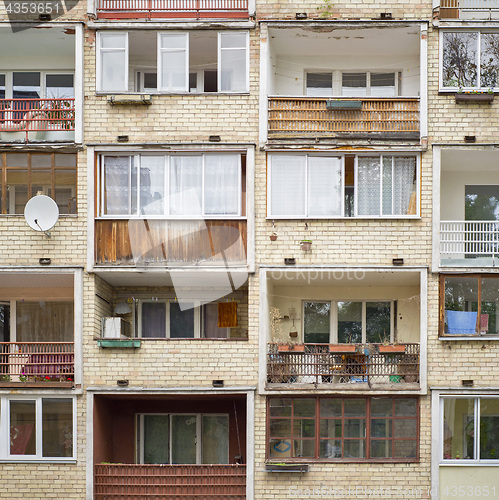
column 368, row 185
column 120, row 186
column 324, row 186
column 404, row 174
column 152, row 185
column 221, row 185
column 287, row 185
column 186, row 185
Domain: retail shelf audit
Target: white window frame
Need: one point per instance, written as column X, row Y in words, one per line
column 478, row 88
column 5, row 455
column 219, row 61
column 9, row 80
column 162, row 87
column 476, row 415
column 271, row 215
column 100, row 73
column 139, row 79
column 368, row 80
column 167, row 213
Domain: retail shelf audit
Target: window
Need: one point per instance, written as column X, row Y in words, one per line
column 183, row 438
column 302, row 186
column 469, row 305
column 470, row 429
column 24, row 175
column 201, row 185
column 173, row 320
column 381, row 429
column 370, row 84
column 469, row 60
column 38, row 428
column 36, row 85
column 197, row 61
column 319, row 84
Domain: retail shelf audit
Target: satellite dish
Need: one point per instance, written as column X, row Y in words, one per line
column 41, row 213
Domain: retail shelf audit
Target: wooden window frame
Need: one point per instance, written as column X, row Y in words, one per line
column 367, row 439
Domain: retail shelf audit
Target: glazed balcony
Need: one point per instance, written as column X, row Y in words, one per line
column 384, row 118
column 37, row 120
column 173, row 481
column 343, row 366
column 172, row 9
column 36, row 363
column 469, row 9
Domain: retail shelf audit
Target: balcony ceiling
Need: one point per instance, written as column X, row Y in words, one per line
column 402, row 41
column 466, row 159
column 35, row 280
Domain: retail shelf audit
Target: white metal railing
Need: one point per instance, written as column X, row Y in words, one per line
column 469, row 238
column 465, row 8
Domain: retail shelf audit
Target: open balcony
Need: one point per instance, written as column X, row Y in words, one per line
column 172, row 9
column 480, row 10
column 38, row 86
column 343, row 82
column 344, row 330
column 469, row 208
column 189, row 447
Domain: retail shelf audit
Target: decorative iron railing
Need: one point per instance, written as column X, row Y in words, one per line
column 170, row 481
column 342, row 364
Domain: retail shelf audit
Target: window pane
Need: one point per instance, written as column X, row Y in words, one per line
column 459, row 60
column 354, row 428
column 185, row 185
column 17, row 190
column 173, row 62
column 26, row 85
column 65, row 191
column 355, row 407
column 354, row 448
column 381, row 428
column 387, row 185
column 330, row 407
column 378, row 322
column 489, row 428
column 152, row 185
column 316, row 323
column 330, row 427
column 381, row 448
column 280, row 407
column 459, row 428
column 184, row 439
column 120, row 185
column 382, row 84
column 330, row 448
column 368, row 186
column 404, row 449
column 304, row 428
column 114, row 70
column 233, row 40
column 481, row 202
column 59, row 87
column 404, row 186
column 41, row 182
column 489, row 60
column 324, row 186
column 156, row 439
column 304, row 407
column 349, row 322
column 461, row 299
column 381, row 407
column 489, row 303
column 221, row 188
column 233, row 62
column 153, row 320
column 354, row 84
column 405, row 428
column 319, row 84
column 280, row 428
column 287, row 185
column 181, row 321
column 304, row 448
column 2, row 86
column 406, row 407
column 215, row 441
column 57, row 427
column 22, row 428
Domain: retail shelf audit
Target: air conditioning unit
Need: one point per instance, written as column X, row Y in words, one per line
column 115, row 328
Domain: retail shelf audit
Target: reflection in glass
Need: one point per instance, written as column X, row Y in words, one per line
column 349, row 322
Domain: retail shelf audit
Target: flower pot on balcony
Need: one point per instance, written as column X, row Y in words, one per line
column 342, row 348
column 486, row 98
column 273, row 237
column 343, row 104
column 291, row 347
column 391, row 349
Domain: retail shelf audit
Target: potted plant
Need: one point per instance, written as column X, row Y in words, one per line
column 475, row 96
column 392, row 349
column 291, row 347
column 342, row 348
column 306, row 245
column 273, row 236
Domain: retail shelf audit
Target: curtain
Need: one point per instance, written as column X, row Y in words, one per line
column 120, row 185
column 221, row 188
column 324, row 186
column 287, row 185
column 368, row 186
column 152, row 185
column 227, row 314
column 186, row 185
column 404, row 175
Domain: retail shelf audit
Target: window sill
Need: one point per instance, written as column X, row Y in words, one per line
column 54, row 461
column 195, row 218
column 467, row 337
column 190, row 339
column 166, row 94
column 344, row 218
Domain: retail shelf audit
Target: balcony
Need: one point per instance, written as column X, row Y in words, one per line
column 172, row 9
column 344, row 366
column 389, row 118
column 126, row 481
column 170, row 242
column 37, row 120
column 37, row 363
column 483, row 10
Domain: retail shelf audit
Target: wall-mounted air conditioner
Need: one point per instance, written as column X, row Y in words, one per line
column 115, row 328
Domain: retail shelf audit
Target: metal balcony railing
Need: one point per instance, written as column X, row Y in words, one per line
column 170, row 481
column 469, row 9
column 329, row 364
column 462, row 239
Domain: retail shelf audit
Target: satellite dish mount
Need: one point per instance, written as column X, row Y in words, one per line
column 41, row 213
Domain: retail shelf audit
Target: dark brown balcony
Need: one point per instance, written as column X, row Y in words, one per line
column 383, row 118
column 170, row 481
column 335, row 365
column 183, row 9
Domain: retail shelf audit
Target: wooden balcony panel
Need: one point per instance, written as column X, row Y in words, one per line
column 307, row 115
column 469, row 9
column 139, row 241
column 321, row 364
column 170, row 481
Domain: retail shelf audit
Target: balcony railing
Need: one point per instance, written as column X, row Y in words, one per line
column 170, row 242
column 385, row 117
column 326, row 364
column 469, row 9
column 170, row 481
column 469, row 239
column 198, row 9
column 36, row 361
column 31, row 116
